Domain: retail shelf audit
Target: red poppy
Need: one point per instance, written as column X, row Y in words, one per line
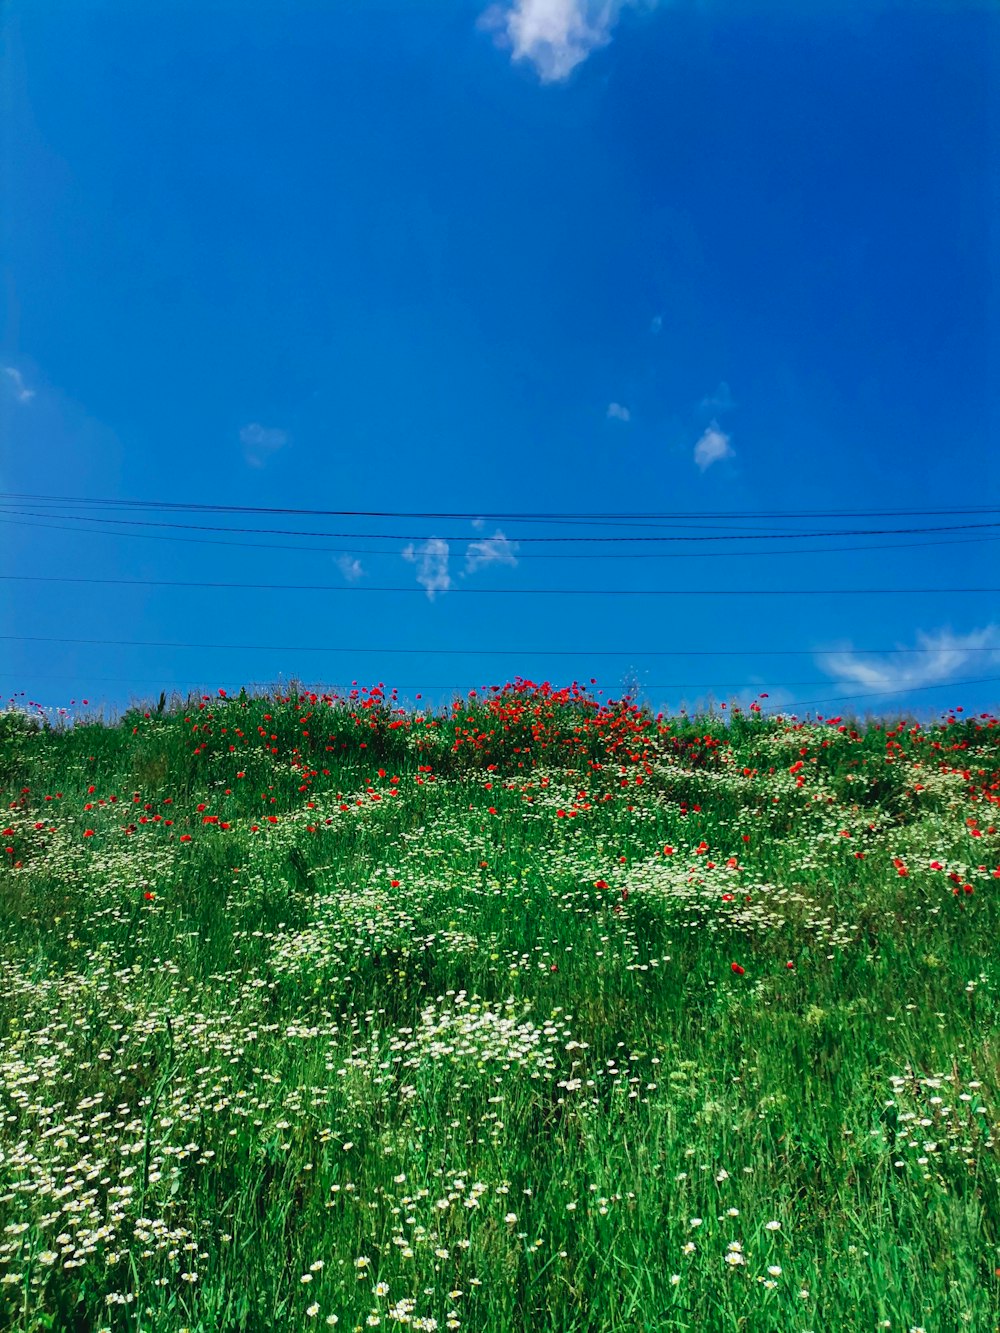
column 737, row 969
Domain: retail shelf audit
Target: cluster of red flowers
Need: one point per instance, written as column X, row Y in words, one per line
column 499, row 731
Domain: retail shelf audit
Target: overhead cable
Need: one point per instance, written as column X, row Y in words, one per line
column 489, row 652
column 503, row 592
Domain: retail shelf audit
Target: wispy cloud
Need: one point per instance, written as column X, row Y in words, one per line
column 21, row 391
column 553, row 35
column 713, row 446
column 260, row 442
column 495, row 550
column 431, row 560
column 721, row 400
column 350, row 567
column 940, row 657
column 656, row 324
column 618, row 413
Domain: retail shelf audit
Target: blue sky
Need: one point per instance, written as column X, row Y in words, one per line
column 691, row 258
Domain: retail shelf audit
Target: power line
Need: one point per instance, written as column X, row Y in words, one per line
column 522, row 555
column 548, row 540
column 702, row 686
column 506, row 592
column 905, row 689
column 473, row 515
column 488, row 652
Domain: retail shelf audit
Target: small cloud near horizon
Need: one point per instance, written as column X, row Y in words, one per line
column 940, row 657
column 713, row 446
column 432, row 561
column 350, row 567
column 261, row 442
column 495, row 550
column 21, row 391
column 552, row 35
column 616, row 412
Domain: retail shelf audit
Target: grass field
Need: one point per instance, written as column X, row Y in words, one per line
column 536, row 1014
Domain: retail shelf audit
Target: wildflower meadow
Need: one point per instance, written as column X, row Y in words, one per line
column 535, row 1012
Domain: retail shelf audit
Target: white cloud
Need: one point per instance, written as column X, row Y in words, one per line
column 260, row 442
column 495, row 550
column 618, row 413
column 21, row 391
column 656, row 324
column 350, row 567
column 432, row 559
column 554, row 35
column 721, row 400
column 713, row 445
column 940, row 657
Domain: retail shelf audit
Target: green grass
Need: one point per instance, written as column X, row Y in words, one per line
column 341, row 1015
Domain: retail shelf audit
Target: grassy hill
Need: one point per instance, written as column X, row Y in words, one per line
column 536, row 1014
